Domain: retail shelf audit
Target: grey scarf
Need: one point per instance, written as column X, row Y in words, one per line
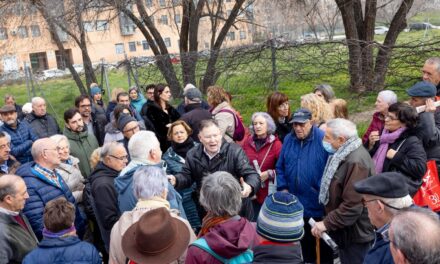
column 332, row 165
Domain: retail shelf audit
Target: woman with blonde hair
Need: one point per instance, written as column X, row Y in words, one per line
column 340, row 109
column 321, row 111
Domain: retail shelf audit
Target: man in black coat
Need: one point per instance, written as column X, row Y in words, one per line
column 194, row 112
column 42, row 123
column 217, row 155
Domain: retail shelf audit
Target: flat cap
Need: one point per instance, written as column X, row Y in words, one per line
column 422, row 89
column 386, row 185
column 7, row 109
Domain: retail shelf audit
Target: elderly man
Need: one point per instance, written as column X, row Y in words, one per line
column 21, row 134
column 414, row 236
column 129, row 126
column 431, row 72
column 346, row 218
column 10, row 100
column 150, row 188
column 193, row 96
column 16, row 235
column 194, row 111
column 42, row 123
column 94, row 122
column 45, row 184
column 383, row 195
column 428, row 127
column 215, row 154
column 8, row 164
column 82, row 144
column 299, row 171
column 144, row 149
column 113, row 159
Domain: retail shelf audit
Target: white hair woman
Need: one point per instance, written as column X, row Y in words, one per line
column 150, row 187
column 68, row 168
column 223, row 231
column 384, row 100
column 262, row 147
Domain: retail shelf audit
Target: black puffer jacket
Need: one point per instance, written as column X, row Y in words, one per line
column 231, row 158
column 160, row 120
column 428, row 131
column 43, row 126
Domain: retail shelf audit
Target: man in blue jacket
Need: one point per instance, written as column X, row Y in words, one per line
column 45, row 184
column 299, row 171
column 21, row 134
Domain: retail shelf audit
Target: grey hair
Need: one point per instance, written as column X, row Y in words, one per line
column 8, row 185
column 388, row 96
column 141, row 144
column 342, row 127
column 109, row 148
column 8, row 137
column 435, row 61
column 402, row 202
column 221, row 194
column 37, row 99
column 271, row 127
column 149, row 181
column 326, row 90
column 416, row 233
column 58, row 138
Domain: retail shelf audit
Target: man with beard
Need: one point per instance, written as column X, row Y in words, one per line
column 82, row 143
column 94, row 121
column 21, row 134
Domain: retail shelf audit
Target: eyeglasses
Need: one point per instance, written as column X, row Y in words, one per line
column 364, row 202
column 123, row 158
column 84, row 106
column 299, row 124
column 55, row 149
column 390, row 117
column 131, row 129
column 284, row 105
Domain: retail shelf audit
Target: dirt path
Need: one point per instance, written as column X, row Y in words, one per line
column 362, row 116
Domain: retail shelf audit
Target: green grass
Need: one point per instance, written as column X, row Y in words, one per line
column 428, row 16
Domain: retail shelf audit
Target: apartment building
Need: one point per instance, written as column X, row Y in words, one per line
column 25, row 39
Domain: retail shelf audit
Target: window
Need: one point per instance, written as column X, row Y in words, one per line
column 149, row 3
column 206, row 45
column 164, row 19
column 176, row 2
column 231, row 35
column 22, row 32
column 3, row 33
column 242, row 34
column 101, row 25
column 177, row 19
column 162, row 3
column 88, row 26
column 119, row 48
column 167, row 42
column 145, row 45
column 35, row 30
column 132, row 46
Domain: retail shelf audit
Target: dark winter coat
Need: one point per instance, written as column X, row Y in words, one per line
column 43, row 126
column 66, row 250
column 428, row 131
column 13, row 165
column 15, row 241
column 182, row 108
column 271, row 253
column 410, row 159
column 148, row 124
column 283, row 129
column 110, row 107
column 380, row 252
column 105, row 197
column 41, row 191
column 300, row 168
column 22, row 139
column 99, row 122
column 19, row 110
column 194, row 114
column 160, row 120
column 231, row 158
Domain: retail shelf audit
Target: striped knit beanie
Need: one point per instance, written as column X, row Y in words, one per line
column 281, row 218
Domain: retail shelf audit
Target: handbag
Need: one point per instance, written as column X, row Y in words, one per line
column 429, row 192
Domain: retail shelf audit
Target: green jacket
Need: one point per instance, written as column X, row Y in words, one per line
column 15, row 241
column 81, row 146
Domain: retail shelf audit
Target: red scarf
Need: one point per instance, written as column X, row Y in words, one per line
column 210, row 221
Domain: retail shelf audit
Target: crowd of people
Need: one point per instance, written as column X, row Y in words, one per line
column 138, row 180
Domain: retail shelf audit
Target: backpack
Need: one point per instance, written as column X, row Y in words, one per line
column 245, row 257
column 239, row 130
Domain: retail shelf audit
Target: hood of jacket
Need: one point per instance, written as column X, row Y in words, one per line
column 25, row 170
column 231, row 238
column 102, row 170
column 75, row 136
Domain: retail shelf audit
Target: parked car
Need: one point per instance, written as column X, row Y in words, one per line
column 380, row 30
column 422, row 26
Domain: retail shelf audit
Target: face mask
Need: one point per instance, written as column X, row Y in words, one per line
column 328, row 147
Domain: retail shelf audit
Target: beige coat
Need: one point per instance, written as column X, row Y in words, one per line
column 128, row 218
column 72, row 177
column 225, row 120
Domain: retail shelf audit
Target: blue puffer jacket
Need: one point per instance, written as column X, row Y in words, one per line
column 41, row 191
column 22, row 139
column 67, row 250
column 300, row 167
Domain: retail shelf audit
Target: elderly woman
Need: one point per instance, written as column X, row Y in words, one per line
column 384, row 100
column 222, row 111
column 398, row 148
column 68, row 168
column 262, row 147
column 137, row 99
column 224, row 232
column 320, row 109
column 162, row 114
column 150, row 186
column 278, row 107
column 325, row 91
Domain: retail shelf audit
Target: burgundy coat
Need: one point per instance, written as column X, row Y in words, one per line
column 270, row 162
column 376, row 124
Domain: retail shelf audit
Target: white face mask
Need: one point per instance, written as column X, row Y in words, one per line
column 328, row 147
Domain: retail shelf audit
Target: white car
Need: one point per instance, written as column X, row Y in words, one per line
column 380, row 30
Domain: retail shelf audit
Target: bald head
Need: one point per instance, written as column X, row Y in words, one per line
column 7, row 185
column 45, row 153
column 13, row 193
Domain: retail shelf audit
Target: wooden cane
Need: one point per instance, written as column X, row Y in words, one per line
column 318, row 251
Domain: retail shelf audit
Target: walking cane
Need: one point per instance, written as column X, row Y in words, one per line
column 318, row 251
